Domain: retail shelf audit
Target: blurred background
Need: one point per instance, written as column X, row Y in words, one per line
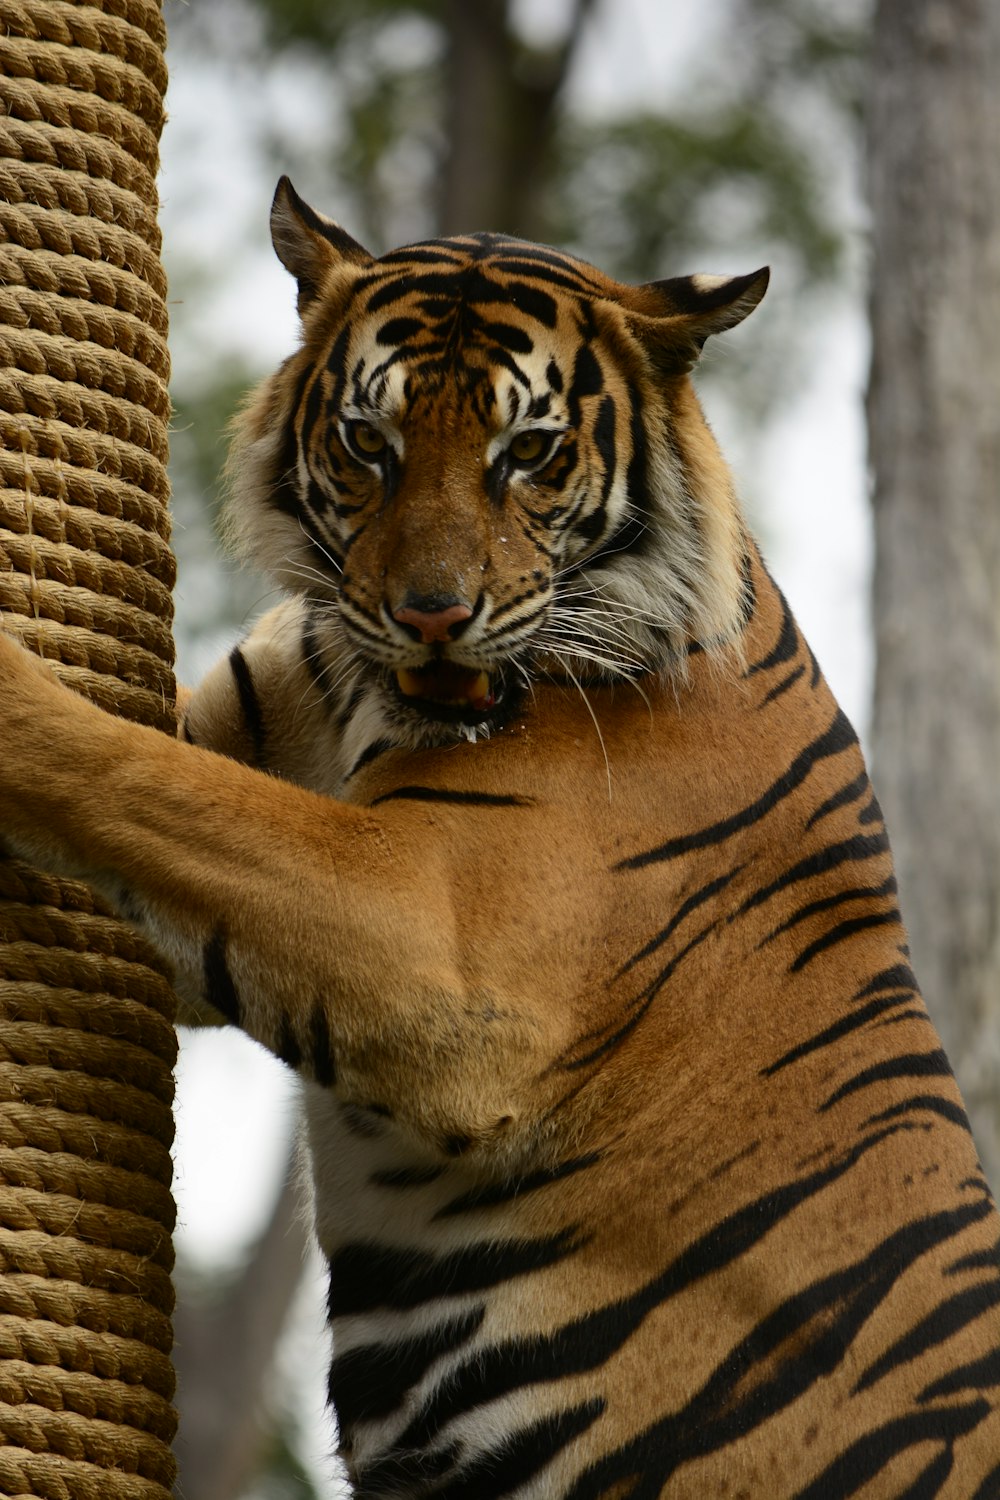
column 650, row 138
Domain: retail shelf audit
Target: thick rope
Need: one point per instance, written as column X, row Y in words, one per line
column 86, row 1036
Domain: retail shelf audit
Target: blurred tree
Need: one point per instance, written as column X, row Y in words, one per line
column 429, row 116
column 225, row 1331
column 935, row 449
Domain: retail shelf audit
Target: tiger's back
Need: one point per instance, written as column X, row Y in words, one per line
column 529, row 834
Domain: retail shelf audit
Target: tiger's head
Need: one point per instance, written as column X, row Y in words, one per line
column 486, row 462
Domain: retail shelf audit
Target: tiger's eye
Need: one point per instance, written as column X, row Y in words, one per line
column 531, row 446
column 367, row 439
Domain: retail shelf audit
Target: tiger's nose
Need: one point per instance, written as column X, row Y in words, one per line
column 434, row 619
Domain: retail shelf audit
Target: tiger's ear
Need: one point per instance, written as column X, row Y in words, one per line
column 308, row 244
column 675, row 317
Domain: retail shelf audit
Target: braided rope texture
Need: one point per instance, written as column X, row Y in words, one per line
column 86, row 1035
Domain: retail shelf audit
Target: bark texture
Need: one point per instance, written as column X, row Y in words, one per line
column 934, row 436
column 502, row 100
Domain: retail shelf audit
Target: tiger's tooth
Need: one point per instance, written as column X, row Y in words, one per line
column 453, row 685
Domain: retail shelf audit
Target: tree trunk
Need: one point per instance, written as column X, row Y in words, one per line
column 502, row 98
column 934, row 435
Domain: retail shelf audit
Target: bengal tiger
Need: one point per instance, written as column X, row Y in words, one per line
column 528, row 833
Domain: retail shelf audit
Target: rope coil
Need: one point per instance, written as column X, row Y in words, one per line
column 86, row 1034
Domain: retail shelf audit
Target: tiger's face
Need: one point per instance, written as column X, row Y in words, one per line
column 458, row 470
column 486, row 462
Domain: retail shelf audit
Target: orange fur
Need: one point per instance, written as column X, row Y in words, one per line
column 635, row 1159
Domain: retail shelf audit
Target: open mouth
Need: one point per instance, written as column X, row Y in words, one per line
column 446, row 689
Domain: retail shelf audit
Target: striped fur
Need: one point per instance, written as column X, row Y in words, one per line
column 637, row 1162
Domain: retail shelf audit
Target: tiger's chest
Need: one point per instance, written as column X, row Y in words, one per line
column 426, row 1282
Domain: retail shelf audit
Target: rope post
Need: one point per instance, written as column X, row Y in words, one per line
column 86, row 1035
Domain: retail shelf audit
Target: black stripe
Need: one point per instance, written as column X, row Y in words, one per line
column 534, row 303
column 250, row 704
column 399, row 330
column 914, row 1014
column 990, row 1487
column 840, row 736
column 639, row 1005
column 406, row 1177
column 898, row 977
column 698, row 898
column 336, row 363
column 588, row 377
column 493, row 1194
column 313, row 408
column 507, row 336
column 987, row 1259
column 871, row 1455
column 841, row 933
column 455, row 1145
column 637, row 484
column 444, row 794
column 498, row 1472
column 952, row 1315
column 855, row 850
column 521, row 1455
column 847, row 794
column 551, row 267
column 365, row 1275
column 830, row 903
column 591, row 1340
column 783, row 686
column 934, row 1103
column 321, row 1058
column 851, row 1022
column 282, row 493
column 371, row 752
column 786, row 648
column 629, row 536
column 404, row 1474
column 872, row 813
column 910, row 1065
column 287, row 1046
column 978, row 1375
column 350, row 708
column 800, row 1342
column 427, row 252
column 220, row 989
column 371, row 1380
column 816, row 673
column 360, row 1121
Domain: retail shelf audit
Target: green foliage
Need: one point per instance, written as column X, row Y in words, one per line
column 200, row 418
column 645, row 193
column 620, row 188
column 328, row 24
column 210, row 603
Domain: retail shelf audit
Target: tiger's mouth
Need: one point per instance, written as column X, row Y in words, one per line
column 448, row 690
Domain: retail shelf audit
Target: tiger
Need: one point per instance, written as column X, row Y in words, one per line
column 527, row 832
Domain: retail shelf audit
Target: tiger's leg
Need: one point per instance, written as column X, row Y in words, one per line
column 333, row 934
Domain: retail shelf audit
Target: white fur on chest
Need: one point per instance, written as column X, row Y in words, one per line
column 376, row 1190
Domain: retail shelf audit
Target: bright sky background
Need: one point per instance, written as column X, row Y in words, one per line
column 235, row 1103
